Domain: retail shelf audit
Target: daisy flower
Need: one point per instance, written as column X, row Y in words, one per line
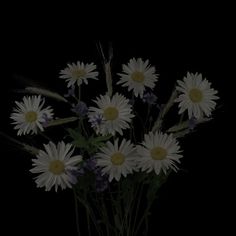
column 29, row 115
column 158, row 152
column 114, row 114
column 138, row 75
column 78, row 73
column 196, row 96
column 117, row 160
column 55, row 166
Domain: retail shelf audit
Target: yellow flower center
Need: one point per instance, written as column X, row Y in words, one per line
column 158, row 153
column 195, row 95
column 78, row 73
column 56, row 167
column 31, row 116
column 117, row 158
column 137, row 76
column 111, row 113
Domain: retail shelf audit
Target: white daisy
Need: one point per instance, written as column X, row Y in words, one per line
column 158, row 152
column 79, row 73
column 114, row 114
column 117, row 160
column 138, row 75
column 55, row 166
column 30, row 115
column 196, row 96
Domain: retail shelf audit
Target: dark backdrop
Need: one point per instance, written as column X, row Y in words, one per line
column 191, row 201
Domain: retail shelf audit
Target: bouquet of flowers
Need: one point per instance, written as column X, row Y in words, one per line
column 113, row 150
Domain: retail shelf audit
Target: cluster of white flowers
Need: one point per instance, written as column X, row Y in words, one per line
column 112, row 115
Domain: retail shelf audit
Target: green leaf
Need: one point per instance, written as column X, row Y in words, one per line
column 117, row 221
column 61, row 121
column 79, row 140
column 155, row 184
column 45, row 92
column 185, row 125
column 100, row 139
column 91, row 144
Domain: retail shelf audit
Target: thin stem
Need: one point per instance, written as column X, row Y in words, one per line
column 77, row 100
column 45, row 136
column 164, row 111
column 88, row 222
column 76, row 213
column 181, row 118
column 120, row 208
column 108, row 78
column 79, row 93
column 112, row 208
column 91, row 213
column 140, row 190
column 107, row 66
column 83, row 128
column 19, row 145
column 127, row 209
column 105, row 215
column 148, row 113
column 144, row 217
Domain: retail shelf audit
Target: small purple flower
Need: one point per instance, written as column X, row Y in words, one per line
column 101, row 186
column 71, row 92
column 102, row 182
column 80, row 109
column 90, row 164
column 192, row 123
column 149, row 98
column 46, row 120
column 74, row 173
column 96, row 121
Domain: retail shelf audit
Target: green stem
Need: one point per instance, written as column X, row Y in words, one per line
column 108, row 78
column 90, row 213
column 181, row 118
column 77, row 100
column 19, row 145
column 120, row 212
column 76, row 213
column 105, row 216
column 107, row 67
column 113, row 210
column 45, row 136
column 139, row 191
column 127, row 209
column 148, row 113
column 164, row 111
column 88, row 222
column 83, row 128
column 79, row 93
column 144, row 217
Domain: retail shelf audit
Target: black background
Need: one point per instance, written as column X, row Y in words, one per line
column 195, row 200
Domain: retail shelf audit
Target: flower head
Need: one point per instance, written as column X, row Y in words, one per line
column 96, row 121
column 56, row 166
column 29, row 115
column 116, row 160
column 80, row 109
column 158, row 152
column 149, row 98
column 78, row 73
column 138, row 75
column 114, row 114
column 196, row 96
column 101, row 180
column 71, row 92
